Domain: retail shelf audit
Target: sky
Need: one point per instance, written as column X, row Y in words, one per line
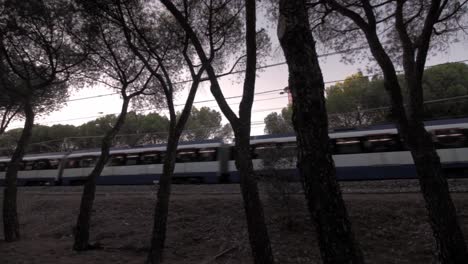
column 80, row 110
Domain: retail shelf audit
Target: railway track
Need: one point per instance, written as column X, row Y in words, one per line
column 361, row 187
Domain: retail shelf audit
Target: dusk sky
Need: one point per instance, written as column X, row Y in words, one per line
column 81, row 111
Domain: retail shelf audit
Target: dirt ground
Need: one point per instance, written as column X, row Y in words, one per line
column 206, row 225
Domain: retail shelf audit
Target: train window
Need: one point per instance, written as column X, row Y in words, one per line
column 27, row 165
column 3, row 166
column 162, row 157
column 150, row 158
column 288, row 149
column 132, row 159
column 348, row 145
column 449, row 138
column 73, row 163
column 117, row 160
column 87, row 162
column 465, row 132
column 382, row 143
column 54, row 164
column 264, row 150
column 207, row 154
column 41, row 165
column 186, row 155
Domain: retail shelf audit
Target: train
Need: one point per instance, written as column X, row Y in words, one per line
column 367, row 153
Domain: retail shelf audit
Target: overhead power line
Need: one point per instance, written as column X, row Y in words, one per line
column 233, row 97
column 210, row 100
column 90, row 97
column 240, row 71
column 281, row 107
column 253, row 123
column 227, row 98
column 152, row 109
column 165, row 133
column 224, row 74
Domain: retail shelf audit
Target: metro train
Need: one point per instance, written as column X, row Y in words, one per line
column 371, row 153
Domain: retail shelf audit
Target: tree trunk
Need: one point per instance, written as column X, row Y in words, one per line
column 81, row 230
column 451, row 246
column 442, row 214
column 315, row 163
column 10, row 216
column 176, row 128
column 258, row 233
column 161, row 210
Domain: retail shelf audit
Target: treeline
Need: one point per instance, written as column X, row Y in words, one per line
column 138, row 129
column 360, row 100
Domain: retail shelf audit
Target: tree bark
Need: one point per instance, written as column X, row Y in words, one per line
column 10, row 215
column 258, row 232
column 451, row 245
column 81, row 230
column 161, row 210
column 315, row 162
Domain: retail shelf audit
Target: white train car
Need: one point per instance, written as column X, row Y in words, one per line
column 372, row 153
column 39, row 169
column 194, row 163
column 377, row 152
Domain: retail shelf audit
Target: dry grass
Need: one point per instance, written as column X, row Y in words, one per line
column 206, row 226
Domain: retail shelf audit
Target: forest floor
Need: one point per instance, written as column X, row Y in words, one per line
column 206, row 224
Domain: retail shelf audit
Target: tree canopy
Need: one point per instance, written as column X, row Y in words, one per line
column 203, row 123
column 279, row 123
column 139, row 129
column 360, row 100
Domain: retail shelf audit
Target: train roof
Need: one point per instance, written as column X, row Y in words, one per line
column 388, row 128
column 53, row 155
column 137, row 149
column 149, row 148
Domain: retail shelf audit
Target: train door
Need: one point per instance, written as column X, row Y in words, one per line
column 27, row 174
column 203, row 165
column 47, row 170
column 186, row 168
column 152, row 163
column 126, row 169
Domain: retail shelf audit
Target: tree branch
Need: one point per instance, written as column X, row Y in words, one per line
column 215, row 87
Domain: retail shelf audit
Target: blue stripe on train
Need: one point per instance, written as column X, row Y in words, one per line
column 454, row 170
column 142, row 179
column 33, row 181
column 388, row 172
column 355, row 173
